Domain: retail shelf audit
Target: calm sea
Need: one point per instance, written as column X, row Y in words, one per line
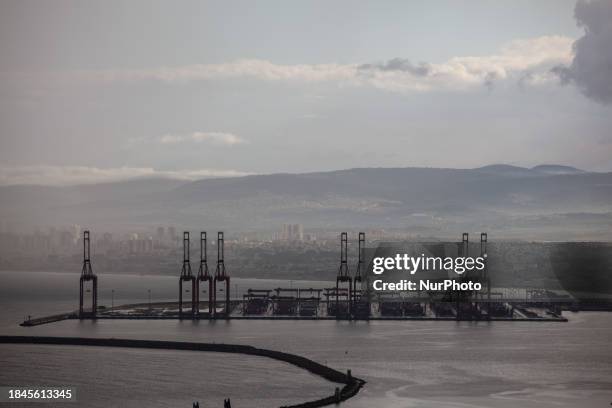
column 406, row 364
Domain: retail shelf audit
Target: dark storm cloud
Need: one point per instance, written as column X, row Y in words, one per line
column 399, row 64
column 591, row 69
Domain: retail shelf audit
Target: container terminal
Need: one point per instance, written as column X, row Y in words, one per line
column 205, row 296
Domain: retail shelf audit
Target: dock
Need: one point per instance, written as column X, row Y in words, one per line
column 351, row 299
column 377, row 312
column 49, row 319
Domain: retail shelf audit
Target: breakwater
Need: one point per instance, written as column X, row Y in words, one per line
column 351, row 385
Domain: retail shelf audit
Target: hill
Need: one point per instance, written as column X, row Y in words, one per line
column 432, row 200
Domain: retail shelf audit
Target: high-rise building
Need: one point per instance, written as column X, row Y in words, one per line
column 292, row 232
column 160, row 234
column 171, row 234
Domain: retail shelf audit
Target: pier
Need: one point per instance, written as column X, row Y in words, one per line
column 49, row 319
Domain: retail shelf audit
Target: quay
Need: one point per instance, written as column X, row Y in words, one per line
column 49, row 319
column 170, row 311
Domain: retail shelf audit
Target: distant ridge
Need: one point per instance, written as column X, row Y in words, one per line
column 556, row 169
column 542, row 169
column 505, row 169
column 488, row 196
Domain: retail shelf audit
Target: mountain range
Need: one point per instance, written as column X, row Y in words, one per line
column 544, row 202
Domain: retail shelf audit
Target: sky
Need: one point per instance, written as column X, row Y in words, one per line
column 103, row 91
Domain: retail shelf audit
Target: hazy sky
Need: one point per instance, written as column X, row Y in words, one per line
column 94, row 91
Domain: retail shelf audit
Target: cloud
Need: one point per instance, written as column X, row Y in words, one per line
column 399, row 64
column 215, row 138
column 535, row 55
column 71, row 175
column 243, row 68
column 591, row 68
column 463, row 73
column 489, row 80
